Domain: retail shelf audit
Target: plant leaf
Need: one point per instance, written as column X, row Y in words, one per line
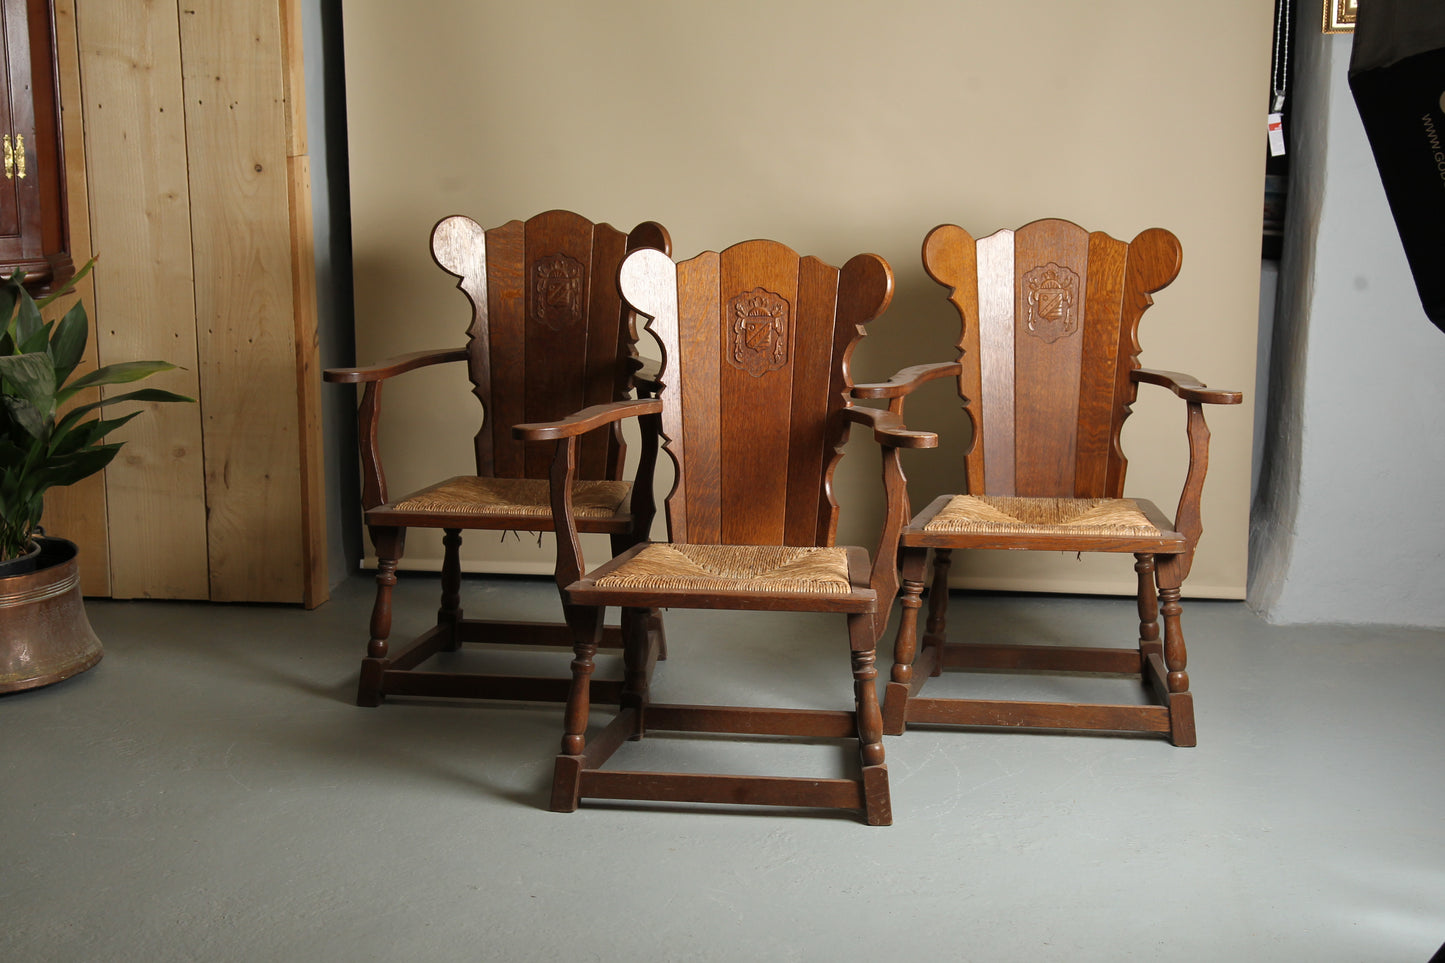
column 67, row 347
column 27, row 318
column 141, row 394
column 31, row 378
column 85, row 435
column 71, row 468
column 69, row 285
column 26, row 416
column 115, row 374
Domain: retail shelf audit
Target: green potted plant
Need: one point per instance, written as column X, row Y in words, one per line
column 44, row 635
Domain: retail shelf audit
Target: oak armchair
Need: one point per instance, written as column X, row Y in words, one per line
column 753, row 409
column 1048, row 369
column 549, row 335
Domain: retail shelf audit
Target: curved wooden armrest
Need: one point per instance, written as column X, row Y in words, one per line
column 888, row 428
column 585, row 420
column 907, row 379
column 1186, row 387
column 393, row 366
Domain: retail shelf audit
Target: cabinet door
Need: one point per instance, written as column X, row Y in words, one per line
column 32, row 206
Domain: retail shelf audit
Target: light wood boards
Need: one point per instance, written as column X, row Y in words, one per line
column 144, row 292
column 198, row 201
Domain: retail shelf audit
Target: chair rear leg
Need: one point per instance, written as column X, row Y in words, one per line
column 450, row 612
column 937, row 628
column 389, row 543
column 637, row 644
column 1149, row 643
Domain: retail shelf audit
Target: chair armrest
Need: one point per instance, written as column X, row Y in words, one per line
column 586, row 420
column 393, row 366
column 1186, row 387
column 888, row 428
column 908, row 379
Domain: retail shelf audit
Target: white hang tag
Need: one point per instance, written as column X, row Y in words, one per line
column 1276, row 135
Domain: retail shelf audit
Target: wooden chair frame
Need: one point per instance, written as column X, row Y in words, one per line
column 1162, row 560
column 493, row 271
column 654, row 286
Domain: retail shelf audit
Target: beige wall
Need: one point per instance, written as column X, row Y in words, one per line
column 835, row 127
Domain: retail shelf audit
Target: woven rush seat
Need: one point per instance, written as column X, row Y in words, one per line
column 751, row 568
column 993, row 514
column 530, row 497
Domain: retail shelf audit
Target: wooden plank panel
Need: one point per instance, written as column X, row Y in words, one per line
column 77, row 512
column 950, row 258
column 995, row 255
column 606, row 372
column 1097, row 373
column 507, row 346
column 144, row 292
column 315, row 588
column 755, row 406
column 1051, row 266
column 231, row 57
column 696, row 363
column 812, row 377
column 556, row 334
column 293, row 65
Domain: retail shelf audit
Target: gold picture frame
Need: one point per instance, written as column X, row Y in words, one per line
column 1340, row 16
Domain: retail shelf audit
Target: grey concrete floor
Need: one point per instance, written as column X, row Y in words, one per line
column 209, row 792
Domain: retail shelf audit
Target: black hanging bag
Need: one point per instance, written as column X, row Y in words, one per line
column 1397, row 76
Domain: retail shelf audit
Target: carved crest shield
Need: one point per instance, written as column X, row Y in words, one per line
column 1051, row 299
column 758, row 332
column 557, row 291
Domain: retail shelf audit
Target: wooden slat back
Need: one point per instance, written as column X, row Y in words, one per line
column 755, row 341
column 549, row 333
column 1050, row 316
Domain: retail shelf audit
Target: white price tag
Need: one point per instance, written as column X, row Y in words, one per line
column 1276, row 135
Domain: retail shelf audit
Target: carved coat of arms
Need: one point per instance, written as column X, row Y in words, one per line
column 758, row 332
column 557, row 291
column 1051, row 302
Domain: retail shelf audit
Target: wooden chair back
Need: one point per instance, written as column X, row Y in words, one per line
column 1050, row 316
column 549, row 333
column 755, row 342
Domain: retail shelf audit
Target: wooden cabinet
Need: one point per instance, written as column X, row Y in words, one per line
column 33, row 225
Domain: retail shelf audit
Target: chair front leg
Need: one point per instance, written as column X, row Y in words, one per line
column 389, row 544
column 877, row 805
column 1171, row 569
column 905, row 645
column 586, row 624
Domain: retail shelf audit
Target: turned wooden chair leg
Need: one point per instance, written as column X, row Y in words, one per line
column 1176, row 659
column 450, row 612
column 389, row 543
column 905, row 646
column 938, row 606
column 877, row 807
column 586, row 626
column 1149, row 643
column 636, row 646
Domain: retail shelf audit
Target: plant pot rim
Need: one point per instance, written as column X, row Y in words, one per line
column 29, row 561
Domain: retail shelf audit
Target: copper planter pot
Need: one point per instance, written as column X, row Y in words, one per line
column 44, row 634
